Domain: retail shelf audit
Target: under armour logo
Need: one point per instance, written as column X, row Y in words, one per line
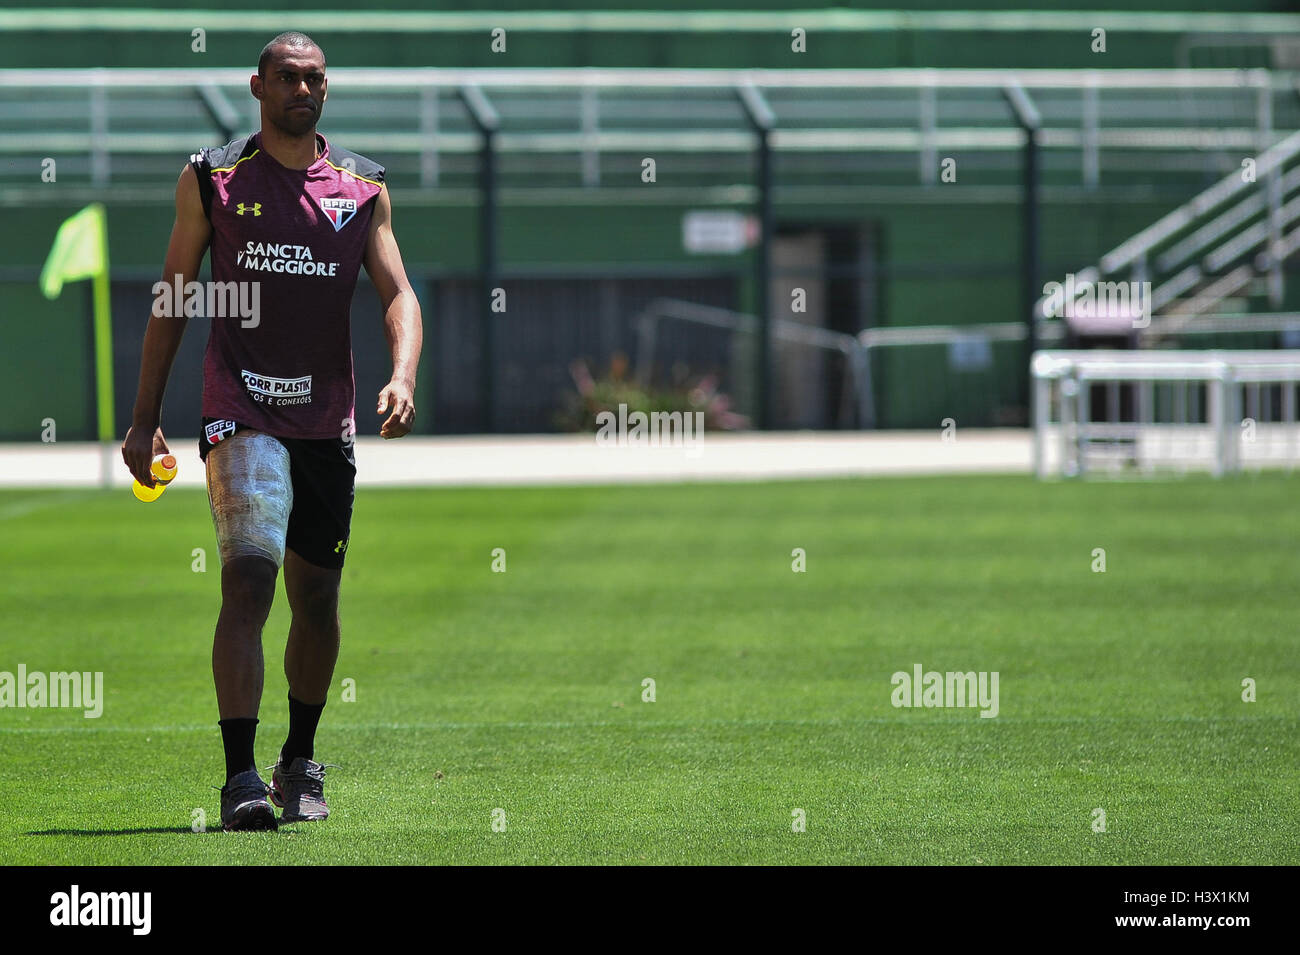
column 340, row 547
column 255, row 209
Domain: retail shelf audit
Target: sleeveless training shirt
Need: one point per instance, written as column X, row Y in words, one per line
column 301, row 235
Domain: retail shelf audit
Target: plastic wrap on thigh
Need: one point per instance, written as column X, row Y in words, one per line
column 251, row 494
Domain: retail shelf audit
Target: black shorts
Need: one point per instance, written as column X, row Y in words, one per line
column 323, row 473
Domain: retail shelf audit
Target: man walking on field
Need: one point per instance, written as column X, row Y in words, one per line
column 286, row 209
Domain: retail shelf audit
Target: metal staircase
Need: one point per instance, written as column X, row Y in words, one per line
column 1209, row 257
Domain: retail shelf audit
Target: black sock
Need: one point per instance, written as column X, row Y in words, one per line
column 237, row 737
column 303, row 718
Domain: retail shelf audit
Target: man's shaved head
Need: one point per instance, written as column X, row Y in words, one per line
column 291, row 84
column 292, row 40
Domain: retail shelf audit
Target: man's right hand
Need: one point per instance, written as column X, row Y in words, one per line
column 138, row 451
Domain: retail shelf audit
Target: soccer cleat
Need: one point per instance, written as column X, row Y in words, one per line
column 244, row 804
column 299, row 789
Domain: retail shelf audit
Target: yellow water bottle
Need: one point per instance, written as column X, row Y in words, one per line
column 163, row 470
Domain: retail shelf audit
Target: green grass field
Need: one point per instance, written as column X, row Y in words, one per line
column 523, row 691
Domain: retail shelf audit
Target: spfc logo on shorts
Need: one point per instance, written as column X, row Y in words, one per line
column 218, row 430
column 338, row 211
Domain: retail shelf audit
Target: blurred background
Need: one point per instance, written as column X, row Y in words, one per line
column 848, row 223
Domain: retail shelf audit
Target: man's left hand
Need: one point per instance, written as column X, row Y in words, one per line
column 397, row 399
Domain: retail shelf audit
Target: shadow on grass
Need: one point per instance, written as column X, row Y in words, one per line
column 119, row 832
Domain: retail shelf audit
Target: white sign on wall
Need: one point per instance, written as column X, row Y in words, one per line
column 718, row 232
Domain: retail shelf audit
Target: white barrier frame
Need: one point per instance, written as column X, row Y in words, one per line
column 1226, row 375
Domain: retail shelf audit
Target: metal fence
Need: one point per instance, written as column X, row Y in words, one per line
column 1132, row 412
column 577, row 128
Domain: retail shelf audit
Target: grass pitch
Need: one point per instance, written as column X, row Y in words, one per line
column 522, row 691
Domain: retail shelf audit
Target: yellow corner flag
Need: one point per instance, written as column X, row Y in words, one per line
column 80, row 251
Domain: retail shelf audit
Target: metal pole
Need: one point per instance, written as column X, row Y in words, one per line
column 488, row 277
column 1069, row 385
column 1272, row 189
column 1030, row 121
column 486, row 119
column 763, row 120
column 1082, row 423
column 1030, row 251
column 1042, row 420
column 763, row 281
column 1218, row 395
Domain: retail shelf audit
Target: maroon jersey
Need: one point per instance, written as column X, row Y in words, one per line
column 301, row 235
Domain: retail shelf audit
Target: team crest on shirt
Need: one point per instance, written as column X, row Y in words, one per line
column 339, row 211
column 219, row 429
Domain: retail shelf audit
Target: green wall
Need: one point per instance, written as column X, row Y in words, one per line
column 49, row 370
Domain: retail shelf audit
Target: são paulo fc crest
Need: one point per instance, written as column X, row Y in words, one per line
column 217, row 430
column 338, row 211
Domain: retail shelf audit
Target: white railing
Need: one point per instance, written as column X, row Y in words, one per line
column 1187, row 410
column 591, row 112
